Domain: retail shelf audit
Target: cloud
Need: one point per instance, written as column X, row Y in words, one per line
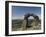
column 22, row 17
column 31, row 17
column 18, row 17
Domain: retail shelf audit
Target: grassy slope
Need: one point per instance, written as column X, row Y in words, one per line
column 16, row 25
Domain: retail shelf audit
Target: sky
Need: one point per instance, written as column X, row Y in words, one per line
column 18, row 12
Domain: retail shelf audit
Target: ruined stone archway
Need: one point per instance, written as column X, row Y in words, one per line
column 25, row 22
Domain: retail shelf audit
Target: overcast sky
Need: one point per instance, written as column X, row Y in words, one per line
column 19, row 11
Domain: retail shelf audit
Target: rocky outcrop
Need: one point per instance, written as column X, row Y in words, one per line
column 25, row 22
